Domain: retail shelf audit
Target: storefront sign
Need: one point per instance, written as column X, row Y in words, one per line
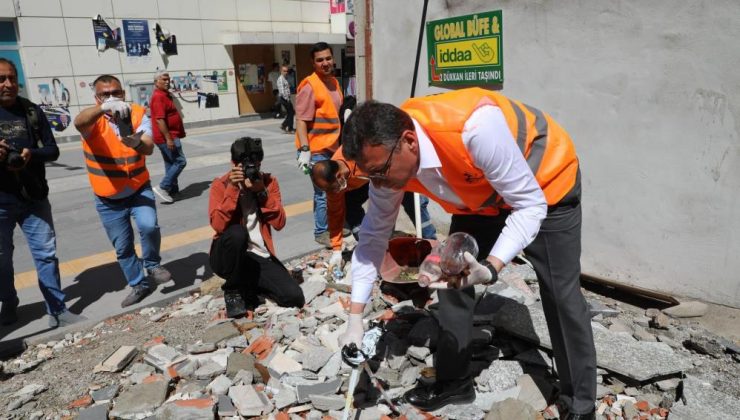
column 466, row 50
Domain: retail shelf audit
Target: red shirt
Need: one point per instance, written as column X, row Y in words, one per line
column 163, row 107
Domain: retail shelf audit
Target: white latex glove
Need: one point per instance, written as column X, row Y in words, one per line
column 477, row 272
column 304, row 158
column 336, row 260
column 113, row 105
column 355, row 331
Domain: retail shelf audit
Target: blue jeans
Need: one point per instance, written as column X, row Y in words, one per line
column 319, row 200
column 174, row 163
column 427, row 228
column 116, row 217
column 34, row 218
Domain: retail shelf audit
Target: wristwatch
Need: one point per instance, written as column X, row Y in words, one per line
column 305, row 149
column 494, row 274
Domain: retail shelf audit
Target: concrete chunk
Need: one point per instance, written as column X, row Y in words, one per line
column 201, row 408
column 94, row 412
column 687, row 310
column 281, row 364
column 312, row 288
column 226, row 407
column 140, row 400
column 220, row 385
column 327, row 402
column 316, row 358
column 220, row 332
column 249, row 401
column 118, row 360
column 305, row 391
column 106, row 393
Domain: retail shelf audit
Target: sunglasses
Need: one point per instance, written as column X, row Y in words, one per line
column 118, row 93
column 11, row 78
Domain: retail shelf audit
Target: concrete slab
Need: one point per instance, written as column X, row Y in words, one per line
column 616, row 352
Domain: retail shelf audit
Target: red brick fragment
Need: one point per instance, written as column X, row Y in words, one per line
column 197, row 403
column 642, row 405
column 81, row 402
column 154, row 341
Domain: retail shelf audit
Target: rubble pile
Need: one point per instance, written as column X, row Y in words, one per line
column 187, row 360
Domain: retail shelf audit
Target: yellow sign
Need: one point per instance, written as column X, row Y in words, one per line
column 472, row 52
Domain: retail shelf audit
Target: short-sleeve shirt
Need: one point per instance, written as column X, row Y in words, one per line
column 305, row 102
column 163, row 107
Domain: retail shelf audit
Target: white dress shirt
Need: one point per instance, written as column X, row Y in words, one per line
column 488, row 139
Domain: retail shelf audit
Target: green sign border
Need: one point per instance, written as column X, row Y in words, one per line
column 463, row 73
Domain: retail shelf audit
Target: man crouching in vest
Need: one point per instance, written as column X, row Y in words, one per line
column 116, row 137
column 508, row 174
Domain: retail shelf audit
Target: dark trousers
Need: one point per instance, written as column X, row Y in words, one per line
column 555, row 254
column 251, row 274
column 289, row 114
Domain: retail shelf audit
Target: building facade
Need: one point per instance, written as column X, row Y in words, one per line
column 219, row 58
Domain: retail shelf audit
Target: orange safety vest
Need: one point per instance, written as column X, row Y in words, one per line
column 111, row 165
column 546, row 146
column 324, row 130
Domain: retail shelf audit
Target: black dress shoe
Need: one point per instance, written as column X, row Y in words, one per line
column 438, row 395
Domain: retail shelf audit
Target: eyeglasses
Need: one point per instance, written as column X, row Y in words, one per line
column 382, row 173
column 11, row 78
column 118, row 93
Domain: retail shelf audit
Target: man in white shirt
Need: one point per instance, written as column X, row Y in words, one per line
column 509, row 175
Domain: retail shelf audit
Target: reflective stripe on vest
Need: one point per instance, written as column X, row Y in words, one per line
column 113, row 167
column 324, row 129
column 545, row 145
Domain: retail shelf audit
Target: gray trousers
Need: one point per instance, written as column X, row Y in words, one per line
column 555, row 254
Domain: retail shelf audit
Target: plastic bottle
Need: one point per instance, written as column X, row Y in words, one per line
column 446, row 259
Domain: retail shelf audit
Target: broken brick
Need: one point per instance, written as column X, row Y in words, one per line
column 81, row 402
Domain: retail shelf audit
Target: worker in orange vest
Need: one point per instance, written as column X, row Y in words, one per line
column 318, row 100
column 116, row 167
column 509, row 175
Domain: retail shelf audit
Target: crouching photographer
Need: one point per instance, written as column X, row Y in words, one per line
column 243, row 208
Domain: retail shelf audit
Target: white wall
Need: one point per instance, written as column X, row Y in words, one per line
column 57, row 41
column 649, row 92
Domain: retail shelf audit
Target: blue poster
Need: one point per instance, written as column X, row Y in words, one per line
column 136, row 34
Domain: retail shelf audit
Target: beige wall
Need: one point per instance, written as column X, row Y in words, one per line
column 649, row 92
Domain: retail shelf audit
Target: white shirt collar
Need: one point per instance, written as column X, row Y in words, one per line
column 428, row 157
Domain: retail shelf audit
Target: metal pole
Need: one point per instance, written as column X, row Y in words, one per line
column 417, row 205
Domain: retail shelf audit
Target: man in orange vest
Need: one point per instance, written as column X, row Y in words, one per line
column 318, row 101
column 509, row 175
column 116, row 138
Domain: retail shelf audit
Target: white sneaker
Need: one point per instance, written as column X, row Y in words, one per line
column 163, row 195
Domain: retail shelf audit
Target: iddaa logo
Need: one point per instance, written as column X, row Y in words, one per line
column 454, row 55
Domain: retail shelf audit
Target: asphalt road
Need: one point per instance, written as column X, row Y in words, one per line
column 92, row 279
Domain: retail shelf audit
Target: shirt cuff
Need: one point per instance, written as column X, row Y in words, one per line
column 505, row 249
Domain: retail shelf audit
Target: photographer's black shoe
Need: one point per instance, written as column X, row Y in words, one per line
column 438, row 395
column 8, row 315
column 235, row 306
column 138, row 293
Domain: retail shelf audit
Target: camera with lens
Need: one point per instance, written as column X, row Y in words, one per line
column 248, row 151
column 13, row 160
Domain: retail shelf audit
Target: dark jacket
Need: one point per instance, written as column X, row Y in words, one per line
column 30, row 182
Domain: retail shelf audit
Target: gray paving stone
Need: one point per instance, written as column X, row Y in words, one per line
column 500, row 375
column 239, row 342
column 140, row 400
column 106, row 393
column 220, row 332
column 220, row 385
column 249, row 401
column 315, row 358
column 94, row 412
column 209, row 370
column 615, row 352
column 332, row 366
column 312, row 288
column 511, row 409
column 687, row 309
column 199, row 348
column 226, row 407
column 239, row 361
column 285, row 397
column 305, row 391
column 327, row 402
column 118, row 360
column 704, row 402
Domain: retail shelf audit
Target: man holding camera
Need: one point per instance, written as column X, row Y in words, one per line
column 26, row 143
column 244, row 205
column 116, row 138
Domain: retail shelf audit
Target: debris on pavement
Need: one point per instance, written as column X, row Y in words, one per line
column 186, row 360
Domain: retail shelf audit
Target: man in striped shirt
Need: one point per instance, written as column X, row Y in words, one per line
column 284, row 95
